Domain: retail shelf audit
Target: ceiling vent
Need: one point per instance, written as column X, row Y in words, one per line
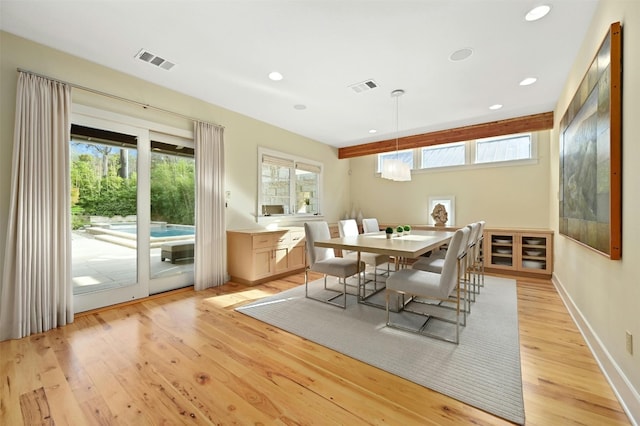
column 364, row 86
column 146, row 56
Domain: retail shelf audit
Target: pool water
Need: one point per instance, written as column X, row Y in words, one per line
column 155, row 232
column 170, row 232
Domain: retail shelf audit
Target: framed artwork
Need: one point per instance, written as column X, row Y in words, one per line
column 590, row 154
column 449, row 203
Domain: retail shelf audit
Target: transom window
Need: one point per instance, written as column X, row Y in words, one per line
column 288, row 185
column 505, row 149
column 406, row 156
column 463, row 154
column 443, row 155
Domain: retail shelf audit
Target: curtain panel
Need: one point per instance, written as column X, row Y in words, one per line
column 210, row 258
column 36, row 293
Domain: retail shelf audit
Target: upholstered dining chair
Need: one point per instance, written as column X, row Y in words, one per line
column 349, row 227
column 370, row 225
column 478, row 260
column 472, row 274
column 435, row 262
column 324, row 261
column 418, row 284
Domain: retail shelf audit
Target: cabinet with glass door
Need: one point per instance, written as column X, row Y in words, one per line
column 519, row 250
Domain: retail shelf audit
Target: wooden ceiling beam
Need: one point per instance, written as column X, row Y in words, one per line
column 529, row 123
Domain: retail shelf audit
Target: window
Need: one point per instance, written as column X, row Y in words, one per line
column 484, row 152
column 288, row 185
column 406, row 156
column 505, row 149
column 307, row 184
column 443, row 155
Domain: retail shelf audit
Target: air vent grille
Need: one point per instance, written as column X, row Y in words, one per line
column 364, row 86
column 146, row 56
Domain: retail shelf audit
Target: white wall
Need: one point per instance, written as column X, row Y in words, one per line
column 606, row 294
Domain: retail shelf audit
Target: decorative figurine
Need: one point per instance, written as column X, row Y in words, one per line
column 440, row 215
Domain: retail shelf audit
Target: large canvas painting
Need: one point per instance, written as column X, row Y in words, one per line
column 590, row 154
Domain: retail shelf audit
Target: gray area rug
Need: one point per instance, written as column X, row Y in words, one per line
column 482, row 371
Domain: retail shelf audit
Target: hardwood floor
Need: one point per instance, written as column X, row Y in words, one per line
column 188, row 358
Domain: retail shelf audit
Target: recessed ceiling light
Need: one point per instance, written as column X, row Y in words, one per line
column 372, row 131
column 528, row 81
column 300, row 107
column 461, row 54
column 537, row 13
column 496, row 106
column 275, row 76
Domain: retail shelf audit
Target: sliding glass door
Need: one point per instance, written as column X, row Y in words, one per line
column 172, row 208
column 132, row 212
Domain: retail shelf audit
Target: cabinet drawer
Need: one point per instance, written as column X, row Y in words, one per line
column 280, row 239
column 297, row 238
column 262, row 241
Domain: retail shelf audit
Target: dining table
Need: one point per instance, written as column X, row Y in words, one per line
column 401, row 248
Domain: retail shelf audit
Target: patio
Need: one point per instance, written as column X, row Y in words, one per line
column 99, row 265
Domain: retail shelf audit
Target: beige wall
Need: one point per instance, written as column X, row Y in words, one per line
column 607, row 293
column 242, row 134
column 508, row 196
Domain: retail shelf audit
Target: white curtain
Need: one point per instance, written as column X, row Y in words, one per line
column 210, row 259
column 36, row 293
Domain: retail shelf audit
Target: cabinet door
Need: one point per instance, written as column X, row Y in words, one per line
column 500, row 250
column 297, row 251
column 297, row 257
column 263, row 262
column 534, row 255
column 281, row 259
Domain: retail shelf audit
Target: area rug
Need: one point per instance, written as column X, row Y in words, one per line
column 482, row 371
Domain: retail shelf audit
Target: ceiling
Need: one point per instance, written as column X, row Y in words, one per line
column 224, row 50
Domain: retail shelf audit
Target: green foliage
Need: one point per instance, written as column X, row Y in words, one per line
column 399, row 229
column 173, row 190
column 406, row 228
column 102, row 186
column 389, row 230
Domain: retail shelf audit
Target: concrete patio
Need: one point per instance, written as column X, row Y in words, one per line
column 99, row 265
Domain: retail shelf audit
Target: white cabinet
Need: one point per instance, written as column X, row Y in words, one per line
column 255, row 256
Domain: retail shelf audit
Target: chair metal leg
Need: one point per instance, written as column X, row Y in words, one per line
column 420, row 330
column 330, row 300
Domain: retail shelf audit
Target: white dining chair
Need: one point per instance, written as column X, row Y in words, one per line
column 370, row 225
column 349, row 227
column 417, row 284
column 435, row 263
column 324, row 261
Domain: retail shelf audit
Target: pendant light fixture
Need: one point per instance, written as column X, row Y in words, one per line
column 394, row 168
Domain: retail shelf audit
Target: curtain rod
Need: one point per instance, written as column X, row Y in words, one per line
column 119, row 98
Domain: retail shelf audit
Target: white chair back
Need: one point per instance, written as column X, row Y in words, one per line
column 317, row 231
column 348, row 228
column 370, row 225
column 474, row 236
column 449, row 275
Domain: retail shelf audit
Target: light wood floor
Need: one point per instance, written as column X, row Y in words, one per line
column 188, row 358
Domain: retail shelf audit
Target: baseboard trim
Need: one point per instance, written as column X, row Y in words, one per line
column 624, row 390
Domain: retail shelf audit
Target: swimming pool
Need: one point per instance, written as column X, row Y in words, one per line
column 158, row 232
column 126, row 233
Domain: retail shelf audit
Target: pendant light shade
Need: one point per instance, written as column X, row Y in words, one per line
column 394, row 168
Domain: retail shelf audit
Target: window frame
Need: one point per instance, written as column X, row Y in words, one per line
column 504, row 138
column 441, row 146
column 470, row 156
column 380, row 161
column 296, row 163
